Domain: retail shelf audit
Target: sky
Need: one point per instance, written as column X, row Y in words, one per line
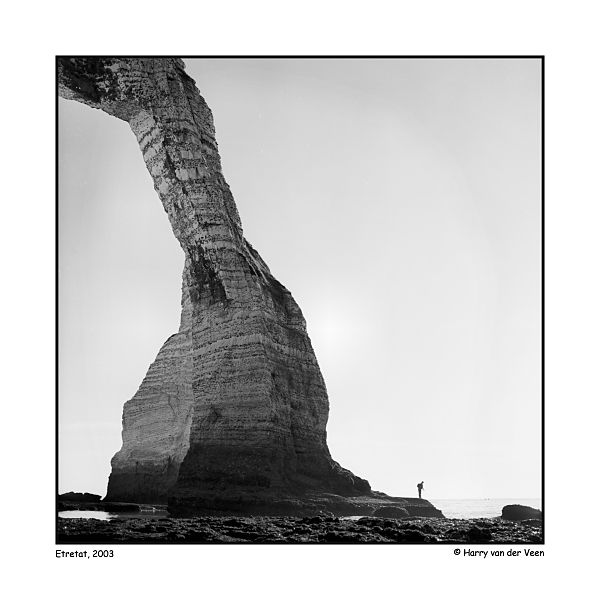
column 398, row 200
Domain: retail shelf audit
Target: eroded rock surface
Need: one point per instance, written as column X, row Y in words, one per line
column 231, row 415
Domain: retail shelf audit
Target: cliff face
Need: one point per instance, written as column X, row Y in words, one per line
column 233, row 411
column 156, row 422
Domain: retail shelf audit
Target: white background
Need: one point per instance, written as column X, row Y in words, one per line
column 565, row 34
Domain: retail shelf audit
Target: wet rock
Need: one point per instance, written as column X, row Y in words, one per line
column 314, row 520
column 532, row 522
column 455, row 534
column 413, row 536
column 294, row 530
column 118, row 507
column 427, row 528
column 478, row 534
column 395, row 512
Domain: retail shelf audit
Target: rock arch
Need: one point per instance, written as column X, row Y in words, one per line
column 233, row 411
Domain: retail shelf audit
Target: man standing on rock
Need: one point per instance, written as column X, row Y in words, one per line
column 420, row 488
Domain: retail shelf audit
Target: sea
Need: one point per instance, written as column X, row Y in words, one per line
column 480, row 508
column 470, row 508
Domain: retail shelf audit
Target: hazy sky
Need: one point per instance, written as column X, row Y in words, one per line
column 398, row 200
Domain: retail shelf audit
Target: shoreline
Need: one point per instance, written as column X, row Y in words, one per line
column 298, row 530
column 376, row 504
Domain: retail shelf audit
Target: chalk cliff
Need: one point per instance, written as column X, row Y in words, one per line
column 231, row 415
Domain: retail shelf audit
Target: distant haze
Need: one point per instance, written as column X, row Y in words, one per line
column 398, row 200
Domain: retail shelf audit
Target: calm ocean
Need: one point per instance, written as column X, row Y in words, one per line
column 475, row 508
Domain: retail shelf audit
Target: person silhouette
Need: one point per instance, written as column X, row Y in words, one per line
column 420, row 488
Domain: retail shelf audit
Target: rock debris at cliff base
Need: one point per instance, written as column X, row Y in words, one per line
column 317, row 529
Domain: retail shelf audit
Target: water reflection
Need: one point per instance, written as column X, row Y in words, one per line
column 103, row 515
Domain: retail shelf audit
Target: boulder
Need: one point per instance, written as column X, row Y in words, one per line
column 518, row 512
column 392, row 512
column 478, row 534
column 79, row 497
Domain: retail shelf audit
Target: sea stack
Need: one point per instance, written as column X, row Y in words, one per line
column 232, row 414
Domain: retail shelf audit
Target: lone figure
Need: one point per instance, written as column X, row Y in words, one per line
column 420, row 488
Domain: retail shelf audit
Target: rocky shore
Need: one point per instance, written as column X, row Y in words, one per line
column 299, row 530
column 110, row 507
column 375, row 504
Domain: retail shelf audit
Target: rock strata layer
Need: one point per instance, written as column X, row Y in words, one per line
column 231, row 416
